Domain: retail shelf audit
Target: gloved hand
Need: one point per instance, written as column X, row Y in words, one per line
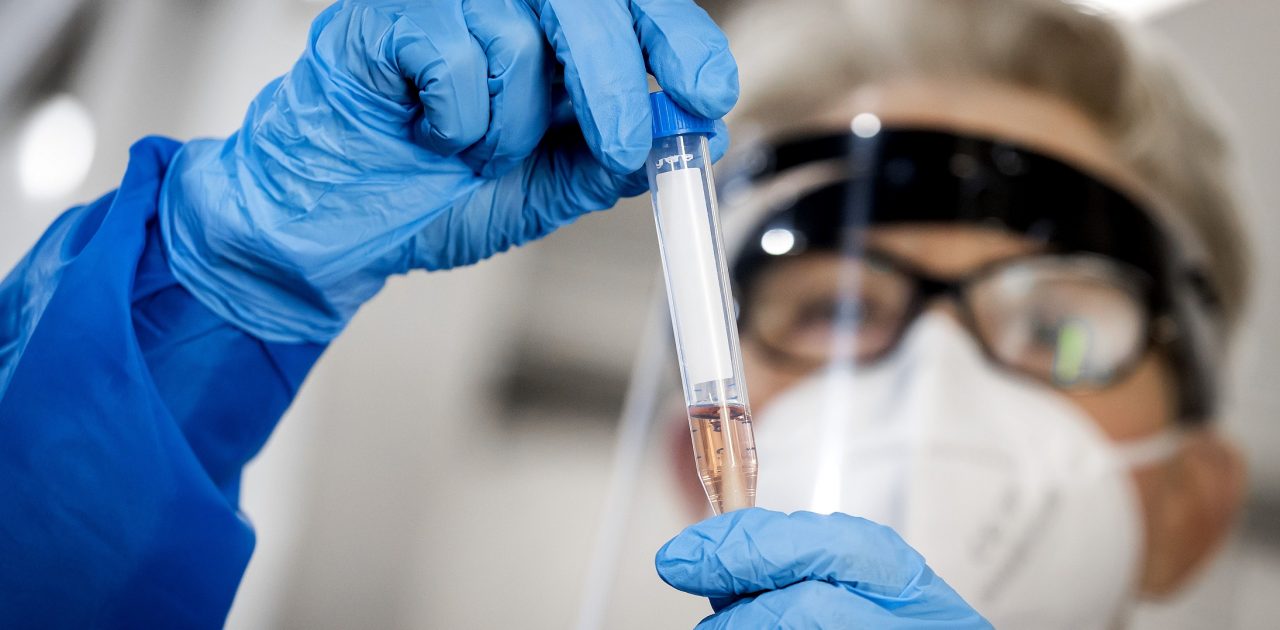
column 427, row 134
column 765, row 569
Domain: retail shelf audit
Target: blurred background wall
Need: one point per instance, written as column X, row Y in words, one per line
column 445, row 462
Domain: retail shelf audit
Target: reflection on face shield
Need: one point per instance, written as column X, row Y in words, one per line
column 1001, row 482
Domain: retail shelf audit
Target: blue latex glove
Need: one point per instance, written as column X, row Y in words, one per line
column 428, row 134
column 765, row 569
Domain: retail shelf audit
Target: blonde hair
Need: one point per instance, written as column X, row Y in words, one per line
column 796, row 55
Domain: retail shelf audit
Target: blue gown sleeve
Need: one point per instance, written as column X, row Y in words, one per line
column 127, row 411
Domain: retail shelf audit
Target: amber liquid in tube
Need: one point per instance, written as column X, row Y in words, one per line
column 725, row 453
column 703, row 316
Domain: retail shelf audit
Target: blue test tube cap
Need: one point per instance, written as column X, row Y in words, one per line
column 670, row 119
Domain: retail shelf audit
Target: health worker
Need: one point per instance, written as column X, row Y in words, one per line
column 152, row 339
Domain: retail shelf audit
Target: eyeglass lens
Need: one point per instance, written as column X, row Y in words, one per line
column 1069, row 320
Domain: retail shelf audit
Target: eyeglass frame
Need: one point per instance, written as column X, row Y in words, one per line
column 927, row 287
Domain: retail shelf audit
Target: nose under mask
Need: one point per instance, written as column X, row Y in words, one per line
column 1011, row 493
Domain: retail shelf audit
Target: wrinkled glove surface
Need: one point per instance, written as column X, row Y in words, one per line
column 427, row 134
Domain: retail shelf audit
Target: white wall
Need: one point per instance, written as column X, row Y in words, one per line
column 1232, row 45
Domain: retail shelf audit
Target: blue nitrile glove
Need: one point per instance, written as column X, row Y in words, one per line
column 427, row 134
column 765, row 569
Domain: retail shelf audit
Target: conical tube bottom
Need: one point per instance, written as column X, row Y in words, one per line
column 725, row 453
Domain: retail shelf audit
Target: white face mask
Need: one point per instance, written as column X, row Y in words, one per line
column 1010, row 492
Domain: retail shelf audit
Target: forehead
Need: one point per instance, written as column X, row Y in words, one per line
column 945, row 251
column 949, row 250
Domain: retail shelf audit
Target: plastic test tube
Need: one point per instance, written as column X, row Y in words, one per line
column 702, row 313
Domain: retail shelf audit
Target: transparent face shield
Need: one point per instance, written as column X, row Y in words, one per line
column 1090, row 283
column 859, row 264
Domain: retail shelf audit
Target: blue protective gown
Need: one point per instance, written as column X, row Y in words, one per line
column 127, row 411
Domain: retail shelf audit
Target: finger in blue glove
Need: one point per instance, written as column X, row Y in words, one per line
column 604, row 46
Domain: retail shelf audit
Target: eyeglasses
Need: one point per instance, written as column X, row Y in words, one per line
column 1075, row 321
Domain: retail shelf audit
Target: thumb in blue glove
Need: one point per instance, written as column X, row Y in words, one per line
column 766, row 569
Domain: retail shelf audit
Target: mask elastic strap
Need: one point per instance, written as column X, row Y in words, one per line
column 1148, row 451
